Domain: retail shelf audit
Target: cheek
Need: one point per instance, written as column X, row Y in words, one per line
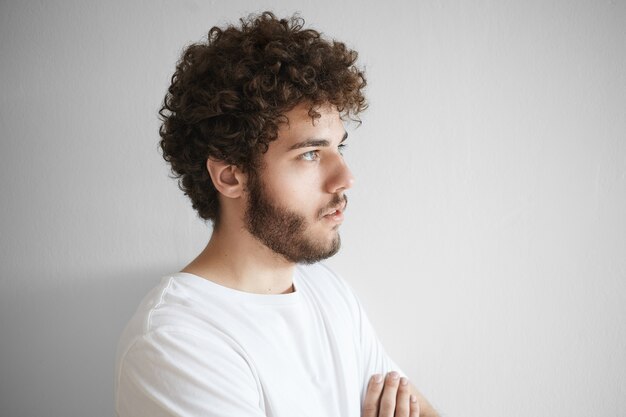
column 297, row 191
column 295, row 195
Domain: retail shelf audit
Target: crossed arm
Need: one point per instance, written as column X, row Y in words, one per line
column 393, row 396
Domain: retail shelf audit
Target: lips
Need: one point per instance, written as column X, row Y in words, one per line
column 335, row 211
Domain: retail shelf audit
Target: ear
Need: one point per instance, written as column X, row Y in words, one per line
column 227, row 179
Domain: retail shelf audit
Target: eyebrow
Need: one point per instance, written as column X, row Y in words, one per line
column 315, row 142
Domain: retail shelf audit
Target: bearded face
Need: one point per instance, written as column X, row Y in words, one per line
column 288, row 232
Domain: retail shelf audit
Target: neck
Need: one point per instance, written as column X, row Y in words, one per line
column 235, row 259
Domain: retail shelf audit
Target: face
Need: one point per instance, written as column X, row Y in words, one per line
column 297, row 198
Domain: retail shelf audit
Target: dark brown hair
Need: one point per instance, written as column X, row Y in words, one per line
column 229, row 95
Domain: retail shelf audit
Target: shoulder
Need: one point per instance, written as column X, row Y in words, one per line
column 180, row 313
column 174, row 347
column 329, row 287
column 320, row 275
column 161, row 303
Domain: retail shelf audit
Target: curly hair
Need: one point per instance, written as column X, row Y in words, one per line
column 228, row 96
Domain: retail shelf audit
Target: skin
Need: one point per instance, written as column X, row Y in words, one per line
column 305, row 179
column 302, row 172
column 394, row 396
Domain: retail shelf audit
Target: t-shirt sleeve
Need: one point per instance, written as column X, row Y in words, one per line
column 372, row 355
column 181, row 374
column 374, row 358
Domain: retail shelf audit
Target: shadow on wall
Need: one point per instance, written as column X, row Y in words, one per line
column 58, row 343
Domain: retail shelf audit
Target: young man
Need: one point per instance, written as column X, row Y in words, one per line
column 255, row 326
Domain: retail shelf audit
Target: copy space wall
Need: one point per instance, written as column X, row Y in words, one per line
column 486, row 232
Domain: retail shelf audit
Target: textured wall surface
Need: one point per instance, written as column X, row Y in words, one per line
column 486, row 233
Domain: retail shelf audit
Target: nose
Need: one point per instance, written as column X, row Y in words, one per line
column 341, row 177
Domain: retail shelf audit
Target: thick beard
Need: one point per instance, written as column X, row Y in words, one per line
column 285, row 231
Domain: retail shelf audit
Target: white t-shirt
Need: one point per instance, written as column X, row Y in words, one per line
column 196, row 348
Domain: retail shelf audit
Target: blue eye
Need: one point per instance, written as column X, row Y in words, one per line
column 341, row 148
column 310, row 156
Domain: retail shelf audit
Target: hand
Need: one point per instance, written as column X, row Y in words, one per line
column 389, row 398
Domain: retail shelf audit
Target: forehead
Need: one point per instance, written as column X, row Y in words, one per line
column 301, row 126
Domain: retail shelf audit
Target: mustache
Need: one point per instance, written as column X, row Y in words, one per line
column 336, row 202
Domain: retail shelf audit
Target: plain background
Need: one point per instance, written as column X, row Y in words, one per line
column 486, row 233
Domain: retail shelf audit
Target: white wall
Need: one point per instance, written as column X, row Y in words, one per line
column 487, row 229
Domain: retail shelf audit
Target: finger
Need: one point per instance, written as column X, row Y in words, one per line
column 372, row 396
column 388, row 399
column 403, row 399
column 415, row 407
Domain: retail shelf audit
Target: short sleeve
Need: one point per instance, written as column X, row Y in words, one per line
column 182, row 374
column 374, row 358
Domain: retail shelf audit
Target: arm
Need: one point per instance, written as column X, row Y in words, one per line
column 374, row 360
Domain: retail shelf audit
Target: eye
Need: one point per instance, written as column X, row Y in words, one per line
column 310, row 156
column 341, row 148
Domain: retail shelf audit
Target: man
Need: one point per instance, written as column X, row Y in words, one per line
column 255, row 326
